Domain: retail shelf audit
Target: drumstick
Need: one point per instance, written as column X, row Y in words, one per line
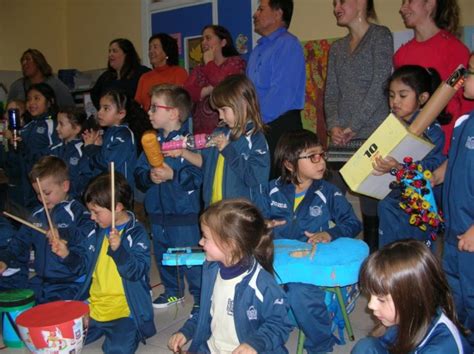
column 24, row 222
column 112, row 196
column 50, row 222
column 313, row 251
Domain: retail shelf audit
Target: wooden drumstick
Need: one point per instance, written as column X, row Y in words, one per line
column 24, row 222
column 112, row 191
column 313, row 251
column 48, row 216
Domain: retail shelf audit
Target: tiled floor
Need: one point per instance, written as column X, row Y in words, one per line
column 170, row 320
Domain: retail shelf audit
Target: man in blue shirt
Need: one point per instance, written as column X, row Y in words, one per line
column 277, row 69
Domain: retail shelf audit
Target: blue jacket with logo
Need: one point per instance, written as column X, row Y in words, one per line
column 442, row 337
column 132, row 259
column 322, row 205
column 175, row 202
column 458, row 190
column 118, row 145
column 247, row 165
column 77, row 163
column 260, row 312
column 37, row 137
column 74, row 225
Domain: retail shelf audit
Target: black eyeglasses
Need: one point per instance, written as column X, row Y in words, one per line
column 315, row 157
column 154, row 107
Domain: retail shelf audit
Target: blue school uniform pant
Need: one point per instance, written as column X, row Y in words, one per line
column 121, row 335
column 311, row 315
column 457, row 266
column 47, row 291
column 173, row 277
column 369, row 345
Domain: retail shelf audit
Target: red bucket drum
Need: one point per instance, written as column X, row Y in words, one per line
column 54, row 328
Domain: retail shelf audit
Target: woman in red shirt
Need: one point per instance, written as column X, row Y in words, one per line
column 435, row 45
column 221, row 59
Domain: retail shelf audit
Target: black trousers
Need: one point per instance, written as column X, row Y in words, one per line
column 288, row 121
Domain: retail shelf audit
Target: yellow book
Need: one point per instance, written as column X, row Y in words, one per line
column 390, row 138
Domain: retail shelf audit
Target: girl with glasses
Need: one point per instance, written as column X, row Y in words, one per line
column 302, row 206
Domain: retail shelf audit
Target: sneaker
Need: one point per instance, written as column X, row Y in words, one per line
column 163, row 301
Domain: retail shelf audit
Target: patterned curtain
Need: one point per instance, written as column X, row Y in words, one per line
column 316, row 54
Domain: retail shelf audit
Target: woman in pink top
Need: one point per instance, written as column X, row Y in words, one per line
column 435, row 45
column 221, row 59
column 164, row 57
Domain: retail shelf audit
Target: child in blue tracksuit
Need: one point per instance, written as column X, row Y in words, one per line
column 118, row 281
column 71, row 123
column 240, row 161
column 409, row 87
column 13, row 162
column 38, row 135
column 243, row 310
column 458, row 195
column 53, row 280
column 118, row 143
column 409, row 295
column 19, row 280
column 303, row 206
column 173, row 194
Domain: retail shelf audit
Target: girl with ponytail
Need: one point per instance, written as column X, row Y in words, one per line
column 243, row 310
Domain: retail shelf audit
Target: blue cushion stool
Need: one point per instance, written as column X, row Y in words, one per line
column 334, row 265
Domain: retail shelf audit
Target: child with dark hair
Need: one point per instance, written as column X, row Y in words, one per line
column 302, row 206
column 39, row 134
column 409, row 88
column 243, row 310
column 118, row 283
column 118, row 142
column 409, row 295
column 55, row 279
column 71, row 124
column 173, row 195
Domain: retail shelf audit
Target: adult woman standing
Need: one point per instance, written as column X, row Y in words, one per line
column 35, row 70
column 123, row 70
column 435, row 23
column 164, row 57
column 355, row 102
column 221, row 59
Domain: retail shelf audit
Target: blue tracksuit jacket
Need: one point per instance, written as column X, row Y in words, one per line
column 53, row 280
column 132, row 259
column 458, row 190
column 247, row 165
column 118, row 145
column 322, row 203
column 18, row 280
column 175, row 202
column 458, row 196
column 37, row 137
column 394, row 222
column 77, row 163
column 442, row 337
column 260, row 312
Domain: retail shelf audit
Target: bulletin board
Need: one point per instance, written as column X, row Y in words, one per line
column 182, row 23
column 186, row 20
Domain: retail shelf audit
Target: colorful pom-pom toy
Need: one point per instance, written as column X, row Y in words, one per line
column 417, row 198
